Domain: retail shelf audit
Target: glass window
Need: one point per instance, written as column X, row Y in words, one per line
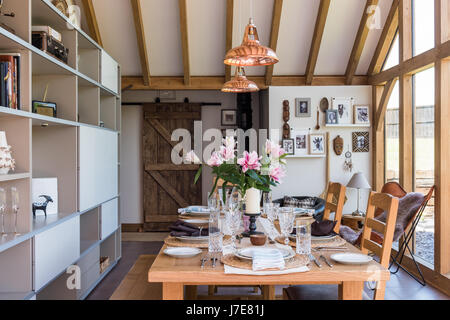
column 423, row 26
column 424, row 96
column 392, row 147
column 392, row 58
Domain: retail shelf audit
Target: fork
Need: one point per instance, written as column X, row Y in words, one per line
column 203, row 261
column 326, row 260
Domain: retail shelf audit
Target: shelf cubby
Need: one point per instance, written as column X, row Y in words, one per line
column 89, row 105
column 88, row 58
column 16, row 275
column 108, row 248
column 24, row 223
column 55, row 156
column 108, row 111
column 89, row 229
column 20, row 23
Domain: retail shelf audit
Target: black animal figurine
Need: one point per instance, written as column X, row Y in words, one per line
column 41, row 205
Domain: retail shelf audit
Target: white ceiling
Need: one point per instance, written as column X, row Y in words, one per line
column 207, row 28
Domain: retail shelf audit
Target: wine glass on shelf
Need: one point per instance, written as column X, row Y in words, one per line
column 3, row 209
column 15, row 207
column 286, row 217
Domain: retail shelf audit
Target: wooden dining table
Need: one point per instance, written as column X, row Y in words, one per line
column 175, row 274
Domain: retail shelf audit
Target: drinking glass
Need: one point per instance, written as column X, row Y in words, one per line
column 3, row 209
column 303, row 237
column 271, row 213
column 215, row 236
column 233, row 218
column 213, row 201
column 15, row 207
column 267, row 198
column 286, row 217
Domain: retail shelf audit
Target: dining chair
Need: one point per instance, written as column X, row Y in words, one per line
column 388, row 204
column 335, row 201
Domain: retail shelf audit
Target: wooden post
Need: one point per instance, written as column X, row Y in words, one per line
column 378, row 169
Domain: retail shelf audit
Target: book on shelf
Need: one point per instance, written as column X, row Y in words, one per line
column 10, row 80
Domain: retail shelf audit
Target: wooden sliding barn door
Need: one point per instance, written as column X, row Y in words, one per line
column 167, row 187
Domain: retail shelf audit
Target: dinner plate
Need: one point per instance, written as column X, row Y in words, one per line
column 182, row 252
column 247, row 253
column 351, row 258
column 324, row 238
column 197, row 222
column 197, row 214
column 193, row 239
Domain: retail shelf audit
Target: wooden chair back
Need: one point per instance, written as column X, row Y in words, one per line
column 389, row 204
column 335, row 201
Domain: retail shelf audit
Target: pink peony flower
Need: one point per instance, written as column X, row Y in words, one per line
column 250, row 161
column 191, row 157
column 274, row 149
column 277, row 173
column 229, row 143
column 227, row 154
column 215, row 160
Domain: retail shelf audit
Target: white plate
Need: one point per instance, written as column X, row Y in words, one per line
column 351, row 258
column 324, row 238
column 197, row 214
column 182, row 252
column 197, row 221
column 247, row 253
column 193, row 239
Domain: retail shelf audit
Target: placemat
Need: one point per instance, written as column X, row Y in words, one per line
column 174, row 242
column 336, row 242
column 233, row 261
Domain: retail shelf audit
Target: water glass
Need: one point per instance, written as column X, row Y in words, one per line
column 233, row 218
column 286, row 217
column 267, row 198
column 215, row 236
column 213, row 201
column 303, row 237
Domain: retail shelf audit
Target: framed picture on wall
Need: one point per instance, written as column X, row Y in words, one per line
column 361, row 114
column 361, row 142
column 288, row 146
column 229, row 117
column 301, row 142
column 303, row 108
column 344, row 108
column 332, row 117
column 317, row 143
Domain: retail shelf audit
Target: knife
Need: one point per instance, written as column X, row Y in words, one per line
column 203, row 262
column 326, row 261
column 312, row 258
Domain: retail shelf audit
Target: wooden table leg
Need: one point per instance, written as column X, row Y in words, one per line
column 380, row 290
column 173, row 291
column 351, row 290
column 191, row 292
column 268, row 292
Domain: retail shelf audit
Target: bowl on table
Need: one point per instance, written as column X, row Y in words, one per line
column 258, row 239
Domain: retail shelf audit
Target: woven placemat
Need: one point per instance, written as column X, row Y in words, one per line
column 233, row 261
column 174, row 242
column 336, row 242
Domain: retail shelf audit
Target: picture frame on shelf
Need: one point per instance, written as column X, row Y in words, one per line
column 344, row 108
column 289, row 146
column 44, row 108
column 331, row 117
column 361, row 141
column 317, row 144
column 303, row 108
column 301, row 142
column 229, row 117
column 361, row 114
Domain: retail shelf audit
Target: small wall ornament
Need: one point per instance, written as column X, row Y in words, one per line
column 7, row 163
column 286, row 118
column 338, row 145
column 348, row 164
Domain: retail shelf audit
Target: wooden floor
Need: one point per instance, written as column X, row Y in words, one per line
column 400, row 287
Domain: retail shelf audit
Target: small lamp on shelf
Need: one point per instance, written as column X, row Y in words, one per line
column 358, row 181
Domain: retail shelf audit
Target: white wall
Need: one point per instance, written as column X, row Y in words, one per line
column 131, row 147
column 307, row 176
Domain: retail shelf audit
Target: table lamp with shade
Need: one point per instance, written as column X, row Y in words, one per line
column 358, row 181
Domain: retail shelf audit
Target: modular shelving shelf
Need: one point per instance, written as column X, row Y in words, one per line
column 80, row 147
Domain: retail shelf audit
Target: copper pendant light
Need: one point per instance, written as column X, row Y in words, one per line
column 251, row 53
column 240, row 83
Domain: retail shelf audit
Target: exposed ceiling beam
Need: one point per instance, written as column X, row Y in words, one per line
column 276, row 19
column 92, row 21
column 229, row 36
column 216, row 83
column 141, row 40
column 185, row 41
column 386, row 39
column 360, row 41
column 387, row 92
column 316, row 40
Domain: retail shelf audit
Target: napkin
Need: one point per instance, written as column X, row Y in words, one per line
column 185, row 229
column 272, row 259
column 195, row 209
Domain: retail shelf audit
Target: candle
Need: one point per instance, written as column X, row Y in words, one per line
column 252, row 201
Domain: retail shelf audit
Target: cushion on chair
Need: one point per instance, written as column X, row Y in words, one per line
column 312, row 292
column 408, row 206
column 349, row 235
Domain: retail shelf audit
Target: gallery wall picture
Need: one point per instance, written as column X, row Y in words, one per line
column 229, row 117
column 331, row 117
column 301, row 142
column 303, row 108
column 361, row 142
column 361, row 114
column 317, row 143
column 344, row 107
column 288, row 146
